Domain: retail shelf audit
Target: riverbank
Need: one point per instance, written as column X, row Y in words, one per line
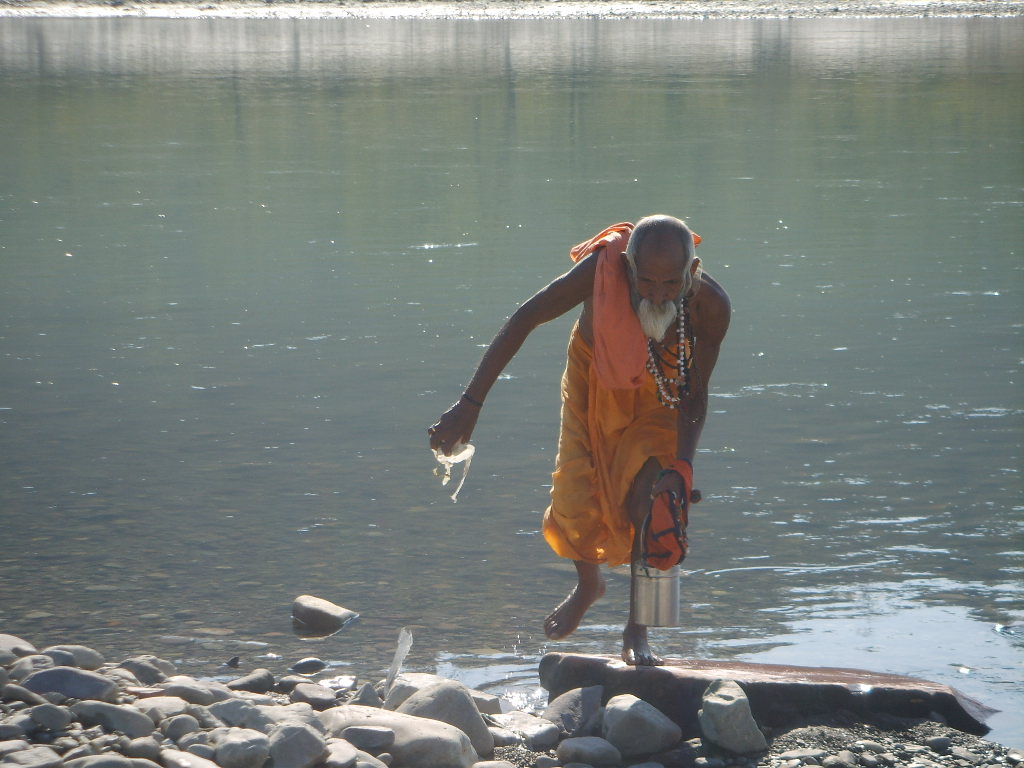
column 67, row 706
column 515, row 9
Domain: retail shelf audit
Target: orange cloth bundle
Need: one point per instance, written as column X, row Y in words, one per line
column 665, row 543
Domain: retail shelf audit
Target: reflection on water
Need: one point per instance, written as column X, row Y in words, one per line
column 247, row 263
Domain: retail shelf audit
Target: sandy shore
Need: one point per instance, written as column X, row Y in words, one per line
column 516, row 9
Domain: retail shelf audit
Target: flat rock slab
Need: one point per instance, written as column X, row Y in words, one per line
column 780, row 695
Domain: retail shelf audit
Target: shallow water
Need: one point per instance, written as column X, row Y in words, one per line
column 247, row 263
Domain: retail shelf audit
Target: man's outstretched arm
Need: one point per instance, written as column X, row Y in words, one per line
column 554, row 300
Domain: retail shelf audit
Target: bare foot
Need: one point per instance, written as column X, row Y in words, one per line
column 566, row 617
column 635, row 649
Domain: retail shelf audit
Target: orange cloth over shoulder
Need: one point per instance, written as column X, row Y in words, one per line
column 620, row 346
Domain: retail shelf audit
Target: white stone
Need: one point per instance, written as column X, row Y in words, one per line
column 189, row 689
column 236, row 711
column 366, row 695
column 114, row 717
column 103, row 760
column 636, row 727
column 503, row 737
column 244, row 713
column 538, row 734
column 314, row 694
column 369, row 738
column 592, row 750
column 341, row 754
column 297, row 745
column 50, row 716
column 175, row 758
column 159, row 708
column 419, row 742
column 240, row 748
column 85, row 657
column 33, row 757
column 406, row 684
column 71, row 682
column 13, row 647
column 149, row 669
column 487, row 703
column 366, row 760
column 451, row 702
column 725, row 719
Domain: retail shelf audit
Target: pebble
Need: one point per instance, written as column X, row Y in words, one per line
column 308, row 666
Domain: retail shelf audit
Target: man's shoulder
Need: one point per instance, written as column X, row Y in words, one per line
column 712, row 307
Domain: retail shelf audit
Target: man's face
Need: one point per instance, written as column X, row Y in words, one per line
column 657, row 283
column 658, row 276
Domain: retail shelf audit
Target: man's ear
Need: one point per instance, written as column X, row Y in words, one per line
column 695, row 265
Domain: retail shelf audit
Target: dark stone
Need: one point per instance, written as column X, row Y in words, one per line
column 779, row 695
column 257, row 681
column 574, row 711
column 144, row 669
column 308, row 666
column 317, row 696
column 315, row 617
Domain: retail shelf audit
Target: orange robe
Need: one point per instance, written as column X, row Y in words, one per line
column 608, row 432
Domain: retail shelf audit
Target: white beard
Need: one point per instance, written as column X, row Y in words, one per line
column 656, row 319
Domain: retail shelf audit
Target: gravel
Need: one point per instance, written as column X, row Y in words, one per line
column 838, row 741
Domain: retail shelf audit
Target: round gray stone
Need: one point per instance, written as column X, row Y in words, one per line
column 241, row 748
column 592, row 750
column 50, row 716
column 72, row 682
column 85, row 657
column 26, row 665
column 33, row 757
column 369, row 738
column 114, row 717
column 178, row 726
column 294, row 745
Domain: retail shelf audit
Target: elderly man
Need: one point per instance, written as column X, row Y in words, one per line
column 634, row 398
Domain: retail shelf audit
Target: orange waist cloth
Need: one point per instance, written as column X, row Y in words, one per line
column 607, row 435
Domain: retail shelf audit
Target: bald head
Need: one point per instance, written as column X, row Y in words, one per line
column 667, row 240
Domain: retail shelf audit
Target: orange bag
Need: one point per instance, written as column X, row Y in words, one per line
column 664, row 534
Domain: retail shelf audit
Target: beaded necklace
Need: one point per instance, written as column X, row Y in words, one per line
column 657, row 363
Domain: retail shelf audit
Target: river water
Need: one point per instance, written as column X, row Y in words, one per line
column 246, row 263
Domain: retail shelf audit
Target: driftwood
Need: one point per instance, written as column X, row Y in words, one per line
column 780, row 696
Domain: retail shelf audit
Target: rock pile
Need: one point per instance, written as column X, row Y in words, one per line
column 67, row 707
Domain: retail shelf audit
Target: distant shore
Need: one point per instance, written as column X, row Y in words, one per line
column 513, row 9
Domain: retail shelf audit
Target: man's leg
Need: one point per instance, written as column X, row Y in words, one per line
column 635, row 648
column 590, row 586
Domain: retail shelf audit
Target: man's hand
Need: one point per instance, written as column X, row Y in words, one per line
column 455, row 426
